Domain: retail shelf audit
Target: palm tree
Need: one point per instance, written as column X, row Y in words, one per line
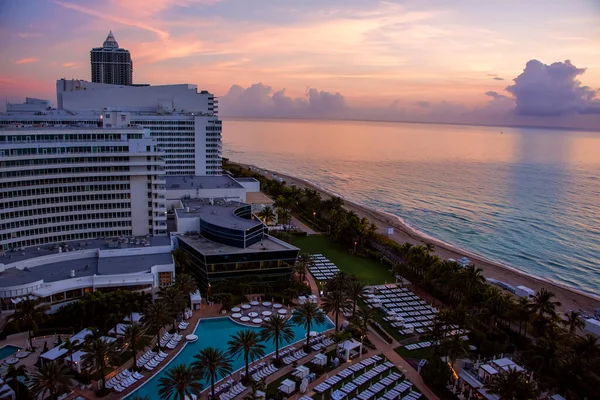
column 246, row 343
column 175, row 301
column 283, row 216
column 573, row 323
column 255, row 386
column 472, row 279
column 336, row 302
column 27, row 316
column 12, row 378
column 182, row 261
column 69, row 346
column 212, row 363
column 305, row 315
column 266, row 215
column 186, row 283
column 340, row 281
column 52, row 379
column 156, row 317
column 544, row 305
column 179, row 382
column 511, row 385
column 278, row 329
column 135, row 338
column 355, row 289
column 301, row 265
column 98, row 352
column 361, row 320
column 453, row 346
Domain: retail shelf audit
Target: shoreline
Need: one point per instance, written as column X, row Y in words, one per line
column 570, row 298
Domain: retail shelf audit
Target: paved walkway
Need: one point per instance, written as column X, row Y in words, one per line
column 302, row 226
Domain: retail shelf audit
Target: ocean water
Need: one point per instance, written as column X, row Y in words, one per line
column 525, row 197
column 216, row 332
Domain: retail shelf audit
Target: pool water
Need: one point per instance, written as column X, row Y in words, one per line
column 8, row 350
column 215, row 332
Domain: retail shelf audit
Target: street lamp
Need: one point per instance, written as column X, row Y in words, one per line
column 355, row 243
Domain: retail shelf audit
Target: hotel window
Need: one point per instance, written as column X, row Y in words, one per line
column 165, row 278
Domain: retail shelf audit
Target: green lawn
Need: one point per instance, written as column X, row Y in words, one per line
column 369, row 271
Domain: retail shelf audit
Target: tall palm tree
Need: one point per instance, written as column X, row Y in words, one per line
column 453, row 346
column 52, row 379
column 512, row 385
column 70, row 347
column 473, row 279
column 182, row 260
column 355, row 289
column 544, row 305
column 156, row 317
column 283, row 216
column 340, row 281
column 212, row 363
column 12, row 378
column 266, row 215
column 179, row 382
column 246, row 343
column 361, row 320
column 278, row 329
column 336, row 302
column 301, row 265
column 305, row 315
column 175, row 301
column 135, row 338
column 98, row 352
column 27, row 315
column 186, row 283
column 573, row 323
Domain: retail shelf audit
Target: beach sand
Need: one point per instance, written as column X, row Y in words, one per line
column 570, row 299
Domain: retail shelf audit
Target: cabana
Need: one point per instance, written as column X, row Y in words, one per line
column 196, row 300
column 58, row 352
column 320, row 359
column 118, row 330
column 288, row 386
column 301, row 372
column 134, row 317
column 347, row 349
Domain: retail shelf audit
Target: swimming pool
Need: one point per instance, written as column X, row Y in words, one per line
column 8, row 350
column 215, row 332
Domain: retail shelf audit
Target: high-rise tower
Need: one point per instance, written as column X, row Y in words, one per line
column 111, row 64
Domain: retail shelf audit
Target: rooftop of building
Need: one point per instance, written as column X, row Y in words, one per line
column 219, row 213
column 16, row 255
column 209, row 248
column 201, row 182
column 246, row 179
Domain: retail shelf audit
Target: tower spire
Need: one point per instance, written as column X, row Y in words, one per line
column 110, row 41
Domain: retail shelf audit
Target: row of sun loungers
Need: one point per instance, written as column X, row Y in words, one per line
column 320, row 343
column 294, row 357
column 149, row 355
column 233, row 393
column 183, row 325
column 421, row 345
column 264, row 372
column 153, row 363
column 123, row 380
column 174, row 341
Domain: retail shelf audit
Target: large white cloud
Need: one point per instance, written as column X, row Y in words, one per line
column 552, row 90
column 259, row 100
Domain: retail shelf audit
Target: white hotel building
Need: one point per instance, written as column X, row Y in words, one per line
column 70, row 197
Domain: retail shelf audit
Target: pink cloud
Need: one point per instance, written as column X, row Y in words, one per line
column 26, row 60
column 69, row 64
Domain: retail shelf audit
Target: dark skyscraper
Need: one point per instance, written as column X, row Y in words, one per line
column 111, row 64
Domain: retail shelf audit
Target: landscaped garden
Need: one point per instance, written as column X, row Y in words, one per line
column 368, row 271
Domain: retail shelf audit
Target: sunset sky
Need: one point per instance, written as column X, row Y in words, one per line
column 402, row 55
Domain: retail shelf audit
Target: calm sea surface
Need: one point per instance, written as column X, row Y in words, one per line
column 529, row 198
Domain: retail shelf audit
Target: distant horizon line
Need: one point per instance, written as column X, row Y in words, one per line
column 559, row 128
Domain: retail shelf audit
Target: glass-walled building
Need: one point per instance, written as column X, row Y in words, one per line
column 224, row 241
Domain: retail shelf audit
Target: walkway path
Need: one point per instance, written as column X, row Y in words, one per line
column 302, row 226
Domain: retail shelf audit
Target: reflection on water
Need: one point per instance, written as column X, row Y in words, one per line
column 525, row 197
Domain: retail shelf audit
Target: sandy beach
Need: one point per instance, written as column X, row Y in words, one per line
column 571, row 299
